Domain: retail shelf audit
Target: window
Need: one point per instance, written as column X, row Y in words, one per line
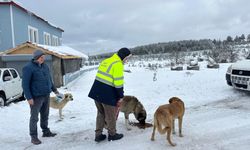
column 54, row 41
column 14, row 73
column 47, row 40
column 60, row 41
column 33, row 34
column 6, row 75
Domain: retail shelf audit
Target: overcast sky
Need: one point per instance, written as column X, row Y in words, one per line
column 96, row 26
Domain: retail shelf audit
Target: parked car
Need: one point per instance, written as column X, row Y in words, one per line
column 10, row 86
column 238, row 75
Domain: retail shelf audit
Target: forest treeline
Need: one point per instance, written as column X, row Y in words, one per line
column 220, row 50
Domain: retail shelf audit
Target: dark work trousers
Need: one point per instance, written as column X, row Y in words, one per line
column 41, row 105
column 106, row 116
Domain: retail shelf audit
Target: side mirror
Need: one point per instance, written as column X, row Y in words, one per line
column 7, row 78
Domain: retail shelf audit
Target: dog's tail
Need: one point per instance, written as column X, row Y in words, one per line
column 158, row 125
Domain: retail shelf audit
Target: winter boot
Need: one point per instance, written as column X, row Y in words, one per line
column 49, row 134
column 115, row 137
column 100, row 138
column 35, row 141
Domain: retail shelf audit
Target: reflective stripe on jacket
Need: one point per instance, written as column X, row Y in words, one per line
column 110, row 72
column 108, row 85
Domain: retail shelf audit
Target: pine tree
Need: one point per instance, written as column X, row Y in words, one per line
column 236, row 39
column 242, row 38
column 248, row 38
column 229, row 39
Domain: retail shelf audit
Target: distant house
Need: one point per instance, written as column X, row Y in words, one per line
column 18, row 25
column 62, row 60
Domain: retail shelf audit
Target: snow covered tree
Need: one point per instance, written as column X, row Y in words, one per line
column 236, row 39
column 242, row 38
column 177, row 57
column 229, row 39
column 232, row 54
column 223, row 52
column 248, row 38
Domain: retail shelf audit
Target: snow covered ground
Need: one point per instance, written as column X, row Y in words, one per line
column 216, row 118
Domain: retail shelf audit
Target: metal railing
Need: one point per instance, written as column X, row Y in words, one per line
column 74, row 76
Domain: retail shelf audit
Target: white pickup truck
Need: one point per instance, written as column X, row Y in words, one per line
column 238, row 75
column 10, row 86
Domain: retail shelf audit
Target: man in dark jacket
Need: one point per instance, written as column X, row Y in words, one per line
column 37, row 86
column 107, row 91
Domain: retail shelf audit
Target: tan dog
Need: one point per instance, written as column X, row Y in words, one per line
column 131, row 104
column 59, row 105
column 165, row 115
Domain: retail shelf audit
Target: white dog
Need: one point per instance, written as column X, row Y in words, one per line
column 60, row 105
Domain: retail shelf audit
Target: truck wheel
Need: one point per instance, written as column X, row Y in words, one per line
column 2, row 100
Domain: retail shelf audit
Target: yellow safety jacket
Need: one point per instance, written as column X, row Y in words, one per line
column 110, row 72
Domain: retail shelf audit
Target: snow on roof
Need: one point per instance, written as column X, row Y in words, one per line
column 64, row 50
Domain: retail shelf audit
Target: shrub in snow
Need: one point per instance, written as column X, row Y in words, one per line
column 213, row 66
column 177, row 68
column 212, row 63
column 197, row 67
column 193, row 63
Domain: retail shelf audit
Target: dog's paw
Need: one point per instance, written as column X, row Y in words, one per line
column 173, row 144
column 180, row 135
column 152, row 139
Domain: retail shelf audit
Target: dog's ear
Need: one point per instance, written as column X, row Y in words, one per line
column 136, row 99
column 171, row 100
column 174, row 99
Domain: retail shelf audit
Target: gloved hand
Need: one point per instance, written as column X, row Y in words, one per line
column 59, row 97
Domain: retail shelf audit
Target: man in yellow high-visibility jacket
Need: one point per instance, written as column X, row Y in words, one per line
column 107, row 91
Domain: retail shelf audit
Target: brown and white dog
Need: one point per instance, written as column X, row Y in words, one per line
column 60, row 105
column 131, row 104
column 165, row 115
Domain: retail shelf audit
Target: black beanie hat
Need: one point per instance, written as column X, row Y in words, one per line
column 123, row 52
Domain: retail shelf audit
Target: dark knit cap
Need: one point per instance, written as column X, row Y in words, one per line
column 37, row 54
column 123, row 52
